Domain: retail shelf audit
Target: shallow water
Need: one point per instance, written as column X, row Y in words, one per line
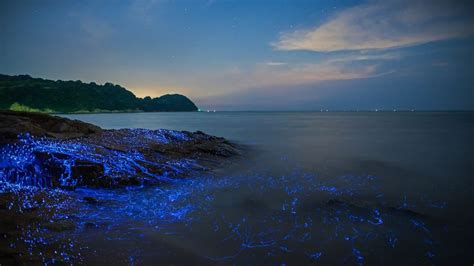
column 334, row 188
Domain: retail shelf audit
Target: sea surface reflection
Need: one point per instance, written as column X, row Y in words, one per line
column 331, row 188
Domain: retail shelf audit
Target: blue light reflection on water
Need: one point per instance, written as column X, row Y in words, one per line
column 22, row 162
column 293, row 228
column 253, row 216
column 289, row 228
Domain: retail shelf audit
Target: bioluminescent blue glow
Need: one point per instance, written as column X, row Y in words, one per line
column 309, row 218
column 45, row 162
column 293, row 227
column 337, row 216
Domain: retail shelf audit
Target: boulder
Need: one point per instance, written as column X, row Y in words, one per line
column 13, row 123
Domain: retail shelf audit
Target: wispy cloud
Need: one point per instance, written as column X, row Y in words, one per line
column 288, row 74
column 365, row 56
column 296, row 74
column 383, row 24
column 272, row 63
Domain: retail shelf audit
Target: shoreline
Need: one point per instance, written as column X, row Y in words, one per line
column 58, row 143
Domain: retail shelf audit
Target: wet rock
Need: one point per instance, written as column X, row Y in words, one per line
column 8, row 256
column 90, row 225
column 60, row 226
column 13, row 123
column 406, row 212
column 58, row 152
column 90, row 200
column 86, row 172
column 334, row 202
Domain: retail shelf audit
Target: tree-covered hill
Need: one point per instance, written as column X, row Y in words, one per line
column 35, row 94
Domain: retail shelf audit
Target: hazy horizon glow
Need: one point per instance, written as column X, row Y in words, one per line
column 253, row 55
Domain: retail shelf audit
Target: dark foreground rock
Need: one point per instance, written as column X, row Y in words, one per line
column 48, row 151
column 13, row 123
column 29, row 218
column 39, row 153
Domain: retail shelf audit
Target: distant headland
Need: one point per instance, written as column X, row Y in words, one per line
column 24, row 93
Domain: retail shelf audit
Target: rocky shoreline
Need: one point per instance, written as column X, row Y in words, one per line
column 48, row 151
column 42, row 157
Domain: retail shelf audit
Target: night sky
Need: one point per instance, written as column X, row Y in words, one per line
column 253, row 55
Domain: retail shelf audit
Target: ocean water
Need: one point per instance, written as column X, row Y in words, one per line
column 310, row 187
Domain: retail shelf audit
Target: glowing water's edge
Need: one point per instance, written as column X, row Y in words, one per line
column 324, row 189
column 347, row 220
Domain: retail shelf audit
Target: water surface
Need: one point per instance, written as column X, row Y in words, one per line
column 334, row 188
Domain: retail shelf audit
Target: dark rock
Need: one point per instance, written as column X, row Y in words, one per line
column 60, row 226
column 406, row 212
column 90, row 200
column 89, row 225
column 73, row 153
column 334, row 202
column 87, row 172
column 13, row 123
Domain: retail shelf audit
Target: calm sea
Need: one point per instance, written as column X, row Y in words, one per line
column 310, row 187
